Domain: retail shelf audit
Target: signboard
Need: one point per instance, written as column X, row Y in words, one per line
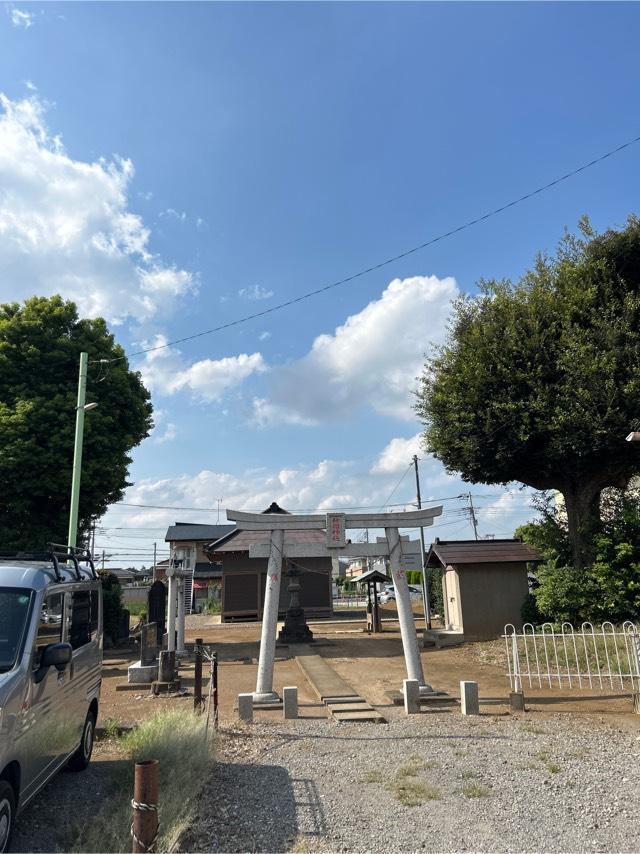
column 336, row 531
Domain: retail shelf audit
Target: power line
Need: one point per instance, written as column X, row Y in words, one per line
column 387, row 261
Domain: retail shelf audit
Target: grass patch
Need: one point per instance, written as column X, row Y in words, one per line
column 137, row 609
column 177, row 741
column 412, row 793
column 372, row 777
column 554, row 768
column 469, row 775
column 410, row 769
column 475, row 790
column 527, row 727
column 111, row 728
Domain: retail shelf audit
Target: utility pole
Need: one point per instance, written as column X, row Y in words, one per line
column 93, row 539
column 474, row 521
column 103, row 560
column 155, row 561
column 77, row 452
column 425, row 581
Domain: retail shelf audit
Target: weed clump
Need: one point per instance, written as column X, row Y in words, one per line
column 179, row 742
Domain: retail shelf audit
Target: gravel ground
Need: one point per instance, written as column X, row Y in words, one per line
column 478, row 784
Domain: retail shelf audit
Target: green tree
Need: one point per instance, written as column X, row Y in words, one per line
column 539, row 381
column 40, row 345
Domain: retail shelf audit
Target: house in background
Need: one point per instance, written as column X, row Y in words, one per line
column 244, row 577
column 202, row 577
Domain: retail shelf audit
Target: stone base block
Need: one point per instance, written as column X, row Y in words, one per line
column 469, row 702
column 142, row 674
column 516, row 701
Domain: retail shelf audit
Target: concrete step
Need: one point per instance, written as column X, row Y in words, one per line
column 441, row 638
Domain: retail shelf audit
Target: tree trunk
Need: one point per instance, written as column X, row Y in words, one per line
column 582, row 505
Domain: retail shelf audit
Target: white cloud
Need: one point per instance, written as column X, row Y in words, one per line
column 171, row 213
column 22, row 19
column 255, row 292
column 66, row 226
column 165, row 373
column 325, row 485
column 265, row 413
column 396, row 456
column 373, row 359
column 264, row 336
column 170, row 433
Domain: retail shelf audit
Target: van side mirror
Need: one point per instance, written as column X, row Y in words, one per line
column 56, row 655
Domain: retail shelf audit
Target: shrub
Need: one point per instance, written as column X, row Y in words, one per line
column 111, row 605
column 607, row 589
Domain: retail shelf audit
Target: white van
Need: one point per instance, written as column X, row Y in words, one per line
column 50, row 673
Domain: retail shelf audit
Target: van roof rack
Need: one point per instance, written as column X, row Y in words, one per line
column 75, row 555
column 55, row 555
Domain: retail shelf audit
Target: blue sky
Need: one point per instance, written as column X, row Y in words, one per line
column 176, row 166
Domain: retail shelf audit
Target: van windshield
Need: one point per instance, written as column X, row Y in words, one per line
column 14, row 610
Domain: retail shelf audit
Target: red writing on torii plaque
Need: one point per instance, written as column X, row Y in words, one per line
column 336, row 531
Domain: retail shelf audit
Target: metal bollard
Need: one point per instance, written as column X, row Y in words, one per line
column 144, row 828
column 197, row 686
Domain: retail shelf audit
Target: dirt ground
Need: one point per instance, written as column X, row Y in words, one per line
column 371, row 664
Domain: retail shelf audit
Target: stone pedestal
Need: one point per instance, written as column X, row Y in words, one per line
column 290, row 703
column 411, row 691
column 295, row 628
column 142, row 674
column 166, row 670
column 516, row 701
column 245, row 707
column 469, row 703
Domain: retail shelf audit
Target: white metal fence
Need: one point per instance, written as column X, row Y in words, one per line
column 606, row 658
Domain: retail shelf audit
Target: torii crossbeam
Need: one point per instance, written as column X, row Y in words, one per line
column 336, row 525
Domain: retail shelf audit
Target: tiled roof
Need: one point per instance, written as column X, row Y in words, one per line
column 240, row 541
column 480, row 551
column 207, row 570
column 186, row 532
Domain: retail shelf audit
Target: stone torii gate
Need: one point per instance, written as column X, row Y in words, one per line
column 336, row 525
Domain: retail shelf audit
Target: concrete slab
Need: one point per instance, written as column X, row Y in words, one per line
column 350, row 707
column 373, row 716
column 262, row 707
column 323, row 678
column 440, row 698
column 355, row 698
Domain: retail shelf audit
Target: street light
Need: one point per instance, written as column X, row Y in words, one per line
column 633, row 437
column 81, row 408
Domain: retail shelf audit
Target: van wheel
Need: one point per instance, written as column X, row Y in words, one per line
column 7, row 814
column 81, row 757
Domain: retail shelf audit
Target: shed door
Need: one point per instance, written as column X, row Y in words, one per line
column 452, row 589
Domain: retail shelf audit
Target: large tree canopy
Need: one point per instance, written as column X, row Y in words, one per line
column 539, row 381
column 40, row 345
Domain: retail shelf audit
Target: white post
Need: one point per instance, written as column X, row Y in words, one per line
column 181, row 616
column 171, row 609
column 517, row 683
column 405, row 614
column 264, row 692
